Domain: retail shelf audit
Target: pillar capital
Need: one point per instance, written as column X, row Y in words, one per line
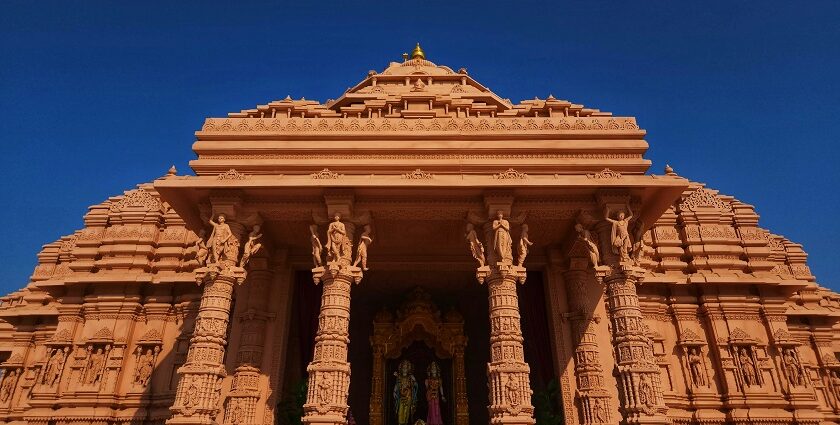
column 501, row 271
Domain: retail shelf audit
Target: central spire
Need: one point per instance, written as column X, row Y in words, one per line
column 418, row 53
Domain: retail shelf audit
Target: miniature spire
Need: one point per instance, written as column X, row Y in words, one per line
column 669, row 171
column 418, row 53
column 172, row 171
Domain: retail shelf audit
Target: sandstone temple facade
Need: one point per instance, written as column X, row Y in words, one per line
column 420, row 249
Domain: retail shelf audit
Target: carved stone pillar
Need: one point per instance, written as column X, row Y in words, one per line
column 241, row 405
column 593, row 397
column 329, row 371
column 507, row 372
column 637, row 372
column 199, row 386
column 462, row 414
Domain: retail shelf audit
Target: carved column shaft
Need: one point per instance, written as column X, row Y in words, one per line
column 462, row 414
column 241, row 406
column 329, row 371
column 638, row 374
column 377, row 390
column 593, row 397
column 197, row 397
column 507, row 372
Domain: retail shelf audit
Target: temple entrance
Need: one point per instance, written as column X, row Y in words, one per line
column 388, row 297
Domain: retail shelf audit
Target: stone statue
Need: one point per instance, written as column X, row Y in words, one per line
column 476, row 247
column 835, row 382
column 586, row 237
column 8, row 385
column 362, row 250
column 145, row 366
column 524, row 244
column 317, row 247
column 251, row 246
column 600, row 411
column 638, row 240
column 55, row 364
column 747, row 367
column 201, row 250
column 502, row 242
column 695, row 367
column 434, row 394
column 645, row 392
column 95, row 363
column 620, row 235
column 338, row 244
column 222, row 242
column 792, row 368
column 405, row 393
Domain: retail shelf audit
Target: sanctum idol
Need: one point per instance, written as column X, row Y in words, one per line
column 420, row 249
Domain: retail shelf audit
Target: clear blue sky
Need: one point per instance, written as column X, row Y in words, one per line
column 99, row 96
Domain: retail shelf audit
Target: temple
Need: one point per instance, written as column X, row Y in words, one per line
column 420, row 250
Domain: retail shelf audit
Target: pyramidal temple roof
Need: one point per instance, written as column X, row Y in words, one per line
column 418, row 88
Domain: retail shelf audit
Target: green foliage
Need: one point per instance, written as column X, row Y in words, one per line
column 290, row 408
column 546, row 408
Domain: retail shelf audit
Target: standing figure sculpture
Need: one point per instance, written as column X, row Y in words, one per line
column 502, row 243
column 8, row 385
column 317, row 247
column 524, row 244
column 251, row 246
column 338, row 244
column 792, row 368
column 405, row 393
column 620, row 235
column 145, row 365
column 95, row 363
column 645, row 392
column 591, row 246
column 362, row 250
column 52, row 373
column 747, row 368
column 638, row 240
column 476, row 247
column 434, row 394
column 223, row 245
column 201, row 250
column 695, row 366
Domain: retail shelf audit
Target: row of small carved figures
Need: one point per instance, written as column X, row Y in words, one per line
column 91, row 373
column 223, row 246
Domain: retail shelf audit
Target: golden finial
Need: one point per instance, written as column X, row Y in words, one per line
column 418, row 52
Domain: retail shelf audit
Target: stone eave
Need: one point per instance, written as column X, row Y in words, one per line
column 185, row 193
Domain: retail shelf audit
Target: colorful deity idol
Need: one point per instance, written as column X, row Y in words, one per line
column 405, row 393
column 434, row 394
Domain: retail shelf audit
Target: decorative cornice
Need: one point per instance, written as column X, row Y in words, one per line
column 417, row 174
column 325, row 174
column 605, row 174
column 232, row 174
column 381, row 125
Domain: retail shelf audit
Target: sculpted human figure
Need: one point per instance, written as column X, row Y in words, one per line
column 792, row 368
column 747, row 367
column 362, row 250
column 405, row 393
column 434, row 394
column 54, row 365
column 317, row 247
column 620, row 235
column 638, row 240
column 645, row 392
column 695, row 365
column 8, row 385
column 600, row 411
column 524, row 244
column 251, row 246
column 201, row 250
column 476, row 247
column 145, row 365
column 502, row 242
column 221, row 239
column 94, row 366
column 586, row 237
column 338, row 244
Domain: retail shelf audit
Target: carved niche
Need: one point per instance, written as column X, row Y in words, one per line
column 418, row 319
column 744, row 351
column 789, row 361
column 145, row 359
column 694, row 356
